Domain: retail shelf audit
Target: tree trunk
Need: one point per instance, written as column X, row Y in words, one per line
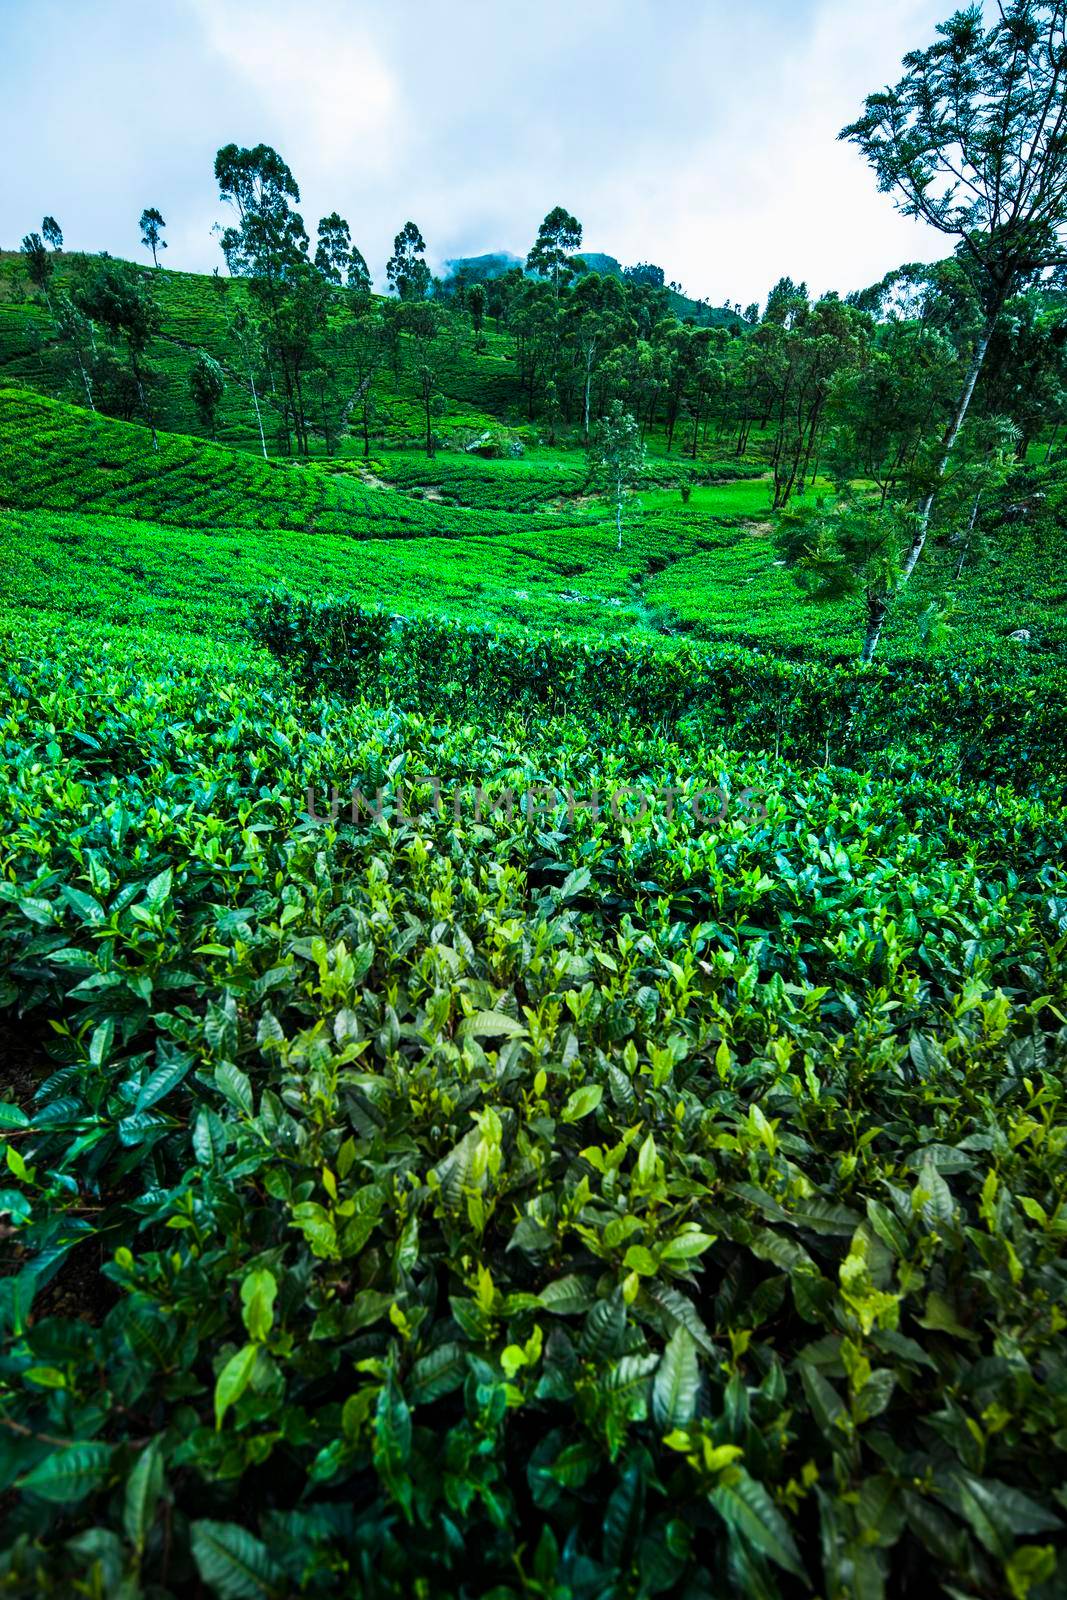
column 946, row 450
column 135, row 366
column 86, row 382
column 259, row 419
column 302, row 438
column 874, row 626
column 877, row 606
column 970, row 530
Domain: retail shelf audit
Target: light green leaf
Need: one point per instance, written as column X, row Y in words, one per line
column 685, row 1246
column 491, row 1025
column 582, row 1102
column 257, row 1302
column 233, row 1380
column 575, row 882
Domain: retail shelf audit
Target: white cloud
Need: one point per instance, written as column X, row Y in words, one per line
column 317, row 74
column 701, row 136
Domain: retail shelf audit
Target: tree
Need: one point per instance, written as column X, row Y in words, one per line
column 535, row 319
column 596, row 321
column 268, row 245
column 424, row 324
column 615, row 458
column 973, row 140
column 206, row 384
column 39, row 264
column 348, row 354
column 553, row 409
column 334, row 248
column 270, row 236
column 477, row 301
column 644, row 273
column 152, row 226
column 982, row 463
column 406, row 270
column 785, row 302
column 558, row 235
column 74, row 328
column 254, row 180
column 365, row 343
column 851, row 548
column 297, row 319
column 120, row 299
column 502, row 292
column 337, row 258
column 886, row 413
column 248, row 337
column 825, row 341
column 1025, row 371
column 53, row 234
column 359, row 278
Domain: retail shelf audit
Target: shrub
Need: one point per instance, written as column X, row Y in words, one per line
column 977, row 722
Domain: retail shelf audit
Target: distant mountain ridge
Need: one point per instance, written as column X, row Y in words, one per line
column 494, row 263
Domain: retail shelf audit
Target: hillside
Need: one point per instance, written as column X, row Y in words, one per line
column 474, row 544
column 528, row 1069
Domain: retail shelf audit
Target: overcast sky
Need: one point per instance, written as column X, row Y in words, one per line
column 698, row 134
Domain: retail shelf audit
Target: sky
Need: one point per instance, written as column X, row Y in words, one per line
column 697, row 134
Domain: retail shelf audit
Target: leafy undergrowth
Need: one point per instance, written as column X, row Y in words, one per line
column 567, row 1205
column 995, row 720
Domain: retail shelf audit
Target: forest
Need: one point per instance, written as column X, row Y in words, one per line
column 533, row 905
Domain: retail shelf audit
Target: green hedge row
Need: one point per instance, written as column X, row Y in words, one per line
column 978, row 722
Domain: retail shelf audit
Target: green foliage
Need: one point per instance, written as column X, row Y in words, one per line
column 152, row 225
column 970, row 140
column 987, row 722
column 207, row 385
column 406, row 269
column 524, row 1071
column 633, row 1201
column 616, row 456
column 850, row 547
column 558, row 237
column 39, row 263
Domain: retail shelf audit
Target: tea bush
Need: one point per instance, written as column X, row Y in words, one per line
column 983, row 721
column 56, row 457
column 548, row 1205
column 524, row 1073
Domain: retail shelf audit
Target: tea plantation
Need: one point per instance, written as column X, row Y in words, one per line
column 527, row 1070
